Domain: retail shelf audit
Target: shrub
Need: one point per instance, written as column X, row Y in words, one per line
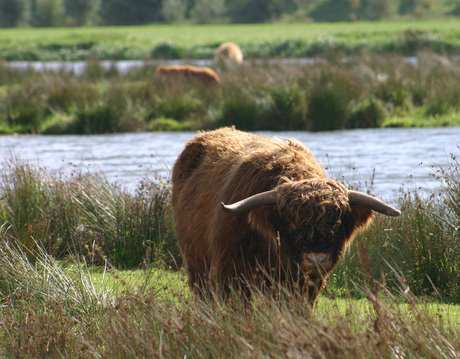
column 58, row 124
column 366, row 113
column 14, row 12
column 168, row 124
column 167, row 50
column 48, row 13
column 239, row 109
column 25, row 108
column 327, row 109
column 287, row 110
column 176, row 104
column 97, row 118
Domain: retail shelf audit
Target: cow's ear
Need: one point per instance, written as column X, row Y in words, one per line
column 259, row 219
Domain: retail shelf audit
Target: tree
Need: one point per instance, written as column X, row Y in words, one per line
column 48, row 13
column 381, row 9
column 207, row 11
column 130, row 12
column 174, row 10
column 14, row 12
column 248, row 11
column 424, row 7
column 82, row 12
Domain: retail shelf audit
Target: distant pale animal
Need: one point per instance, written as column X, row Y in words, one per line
column 228, row 55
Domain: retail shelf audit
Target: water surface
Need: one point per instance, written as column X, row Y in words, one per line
column 385, row 159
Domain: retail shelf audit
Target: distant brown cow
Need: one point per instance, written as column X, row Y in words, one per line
column 287, row 222
column 228, row 55
column 204, row 75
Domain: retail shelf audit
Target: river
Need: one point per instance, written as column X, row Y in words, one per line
column 124, row 66
column 389, row 159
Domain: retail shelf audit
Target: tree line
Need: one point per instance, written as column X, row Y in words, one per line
column 49, row 13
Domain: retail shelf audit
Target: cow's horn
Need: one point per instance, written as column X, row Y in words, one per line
column 373, row 203
column 249, row 203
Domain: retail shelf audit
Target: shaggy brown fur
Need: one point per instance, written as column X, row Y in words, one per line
column 228, row 55
column 312, row 213
column 205, row 75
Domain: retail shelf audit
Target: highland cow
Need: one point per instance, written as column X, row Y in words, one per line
column 204, row 75
column 228, row 55
column 249, row 210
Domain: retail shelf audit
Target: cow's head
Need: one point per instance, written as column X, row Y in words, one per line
column 315, row 219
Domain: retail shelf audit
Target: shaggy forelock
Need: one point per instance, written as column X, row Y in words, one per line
column 313, row 205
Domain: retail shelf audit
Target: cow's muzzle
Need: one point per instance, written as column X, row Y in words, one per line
column 315, row 263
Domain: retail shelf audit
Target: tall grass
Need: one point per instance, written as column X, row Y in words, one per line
column 138, row 322
column 382, row 301
column 86, row 215
column 366, row 91
column 417, row 251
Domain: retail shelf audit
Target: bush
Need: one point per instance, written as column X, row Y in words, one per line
column 98, row 118
column 287, row 110
column 167, row 50
column 58, row 124
column 48, row 13
column 327, row 109
column 239, row 109
column 25, row 108
column 168, row 124
column 14, row 12
column 325, row 96
column 366, row 113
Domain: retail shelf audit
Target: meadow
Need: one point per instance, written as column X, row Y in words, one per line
column 201, row 41
column 88, row 269
column 361, row 78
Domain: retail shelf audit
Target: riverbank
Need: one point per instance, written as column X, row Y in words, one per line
column 367, row 91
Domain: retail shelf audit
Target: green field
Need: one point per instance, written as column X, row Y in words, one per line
column 199, row 41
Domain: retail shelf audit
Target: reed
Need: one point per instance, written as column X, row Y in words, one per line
column 83, row 214
column 365, row 91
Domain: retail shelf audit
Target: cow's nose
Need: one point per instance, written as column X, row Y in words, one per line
column 315, row 263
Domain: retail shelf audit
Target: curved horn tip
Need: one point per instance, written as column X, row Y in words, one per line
column 372, row 203
column 393, row 212
column 226, row 208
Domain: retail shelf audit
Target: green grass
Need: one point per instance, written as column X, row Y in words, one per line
column 165, row 282
column 200, row 41
column 126, row 318
column 169, row 284
column 421, row 120
column 187, row 35
column 394, row 294
column 369, row 91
